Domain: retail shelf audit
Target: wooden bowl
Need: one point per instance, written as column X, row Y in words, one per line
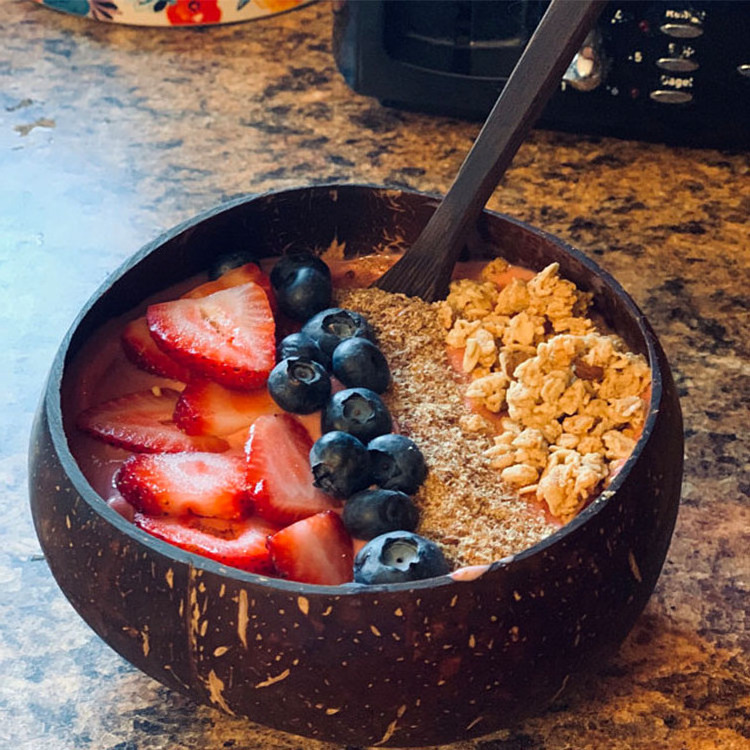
column 401, row 664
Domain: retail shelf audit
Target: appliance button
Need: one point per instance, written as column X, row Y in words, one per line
column 670, row 96
column 677, row 64
column 681, row 30
column 744, row 70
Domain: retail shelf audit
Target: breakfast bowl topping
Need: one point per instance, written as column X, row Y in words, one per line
column 302, row 284
column 550, row 402
column 340, row 464
column 399, row 557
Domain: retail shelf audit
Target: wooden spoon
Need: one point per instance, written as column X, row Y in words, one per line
column 425, row 269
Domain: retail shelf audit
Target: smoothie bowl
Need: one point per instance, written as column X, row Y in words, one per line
column 495, row 630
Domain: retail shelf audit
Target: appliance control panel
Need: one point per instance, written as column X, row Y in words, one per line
column 671, row 71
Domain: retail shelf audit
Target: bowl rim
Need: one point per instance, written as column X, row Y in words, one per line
column 52, row 404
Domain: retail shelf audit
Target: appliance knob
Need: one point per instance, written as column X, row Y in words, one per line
column 586, row 69
column 671, row 96
column 690, row 30
column 678, row 64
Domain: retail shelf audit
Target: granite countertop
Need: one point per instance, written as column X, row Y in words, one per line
column 110, row 135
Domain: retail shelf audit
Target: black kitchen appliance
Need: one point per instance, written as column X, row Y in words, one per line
column 673, row 72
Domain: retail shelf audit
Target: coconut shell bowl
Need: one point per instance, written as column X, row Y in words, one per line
column 413, row 664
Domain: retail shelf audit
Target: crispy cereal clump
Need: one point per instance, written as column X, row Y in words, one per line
column 573, row 395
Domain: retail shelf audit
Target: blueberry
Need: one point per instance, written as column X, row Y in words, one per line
column 358, row 362
column 399, row 557
column 285, row 269
column 299, row 385
column 340, row 464
column 330, row 327
column 369, row 513
column 301, row 345
column 397, row 463
column 228, row 261
column 306, row 292
column 358, row 411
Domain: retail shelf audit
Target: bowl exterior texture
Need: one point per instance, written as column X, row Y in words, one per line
column 402, row 665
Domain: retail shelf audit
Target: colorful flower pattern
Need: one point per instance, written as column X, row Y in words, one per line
column 173, row 12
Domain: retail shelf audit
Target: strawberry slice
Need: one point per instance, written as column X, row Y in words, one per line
column 141, row 349
column 175, row 484
column 227, row 336
column 235, row 277
column 206, row 408
column 317, row 549
column 238, row 544
column 142, row 422
column 279, row 478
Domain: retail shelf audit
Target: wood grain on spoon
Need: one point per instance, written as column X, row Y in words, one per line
column 425, row 269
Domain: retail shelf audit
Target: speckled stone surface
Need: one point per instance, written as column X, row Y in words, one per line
column 109, row 135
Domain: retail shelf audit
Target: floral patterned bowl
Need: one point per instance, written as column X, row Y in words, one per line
column 174, row 12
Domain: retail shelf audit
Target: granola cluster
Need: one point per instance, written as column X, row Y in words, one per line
column 573, row 396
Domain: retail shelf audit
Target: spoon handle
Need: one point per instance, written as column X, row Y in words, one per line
column 426, row 268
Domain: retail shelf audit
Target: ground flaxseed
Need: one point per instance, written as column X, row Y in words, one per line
column 464, row 505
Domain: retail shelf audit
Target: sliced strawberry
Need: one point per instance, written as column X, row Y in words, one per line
column 317, row 549
column 141, row 349
column 238, row 544
column 279, row 478
column 142, row 422
column 228, row 336
column 235, row 277
column 175, row 484
column 206, row 408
